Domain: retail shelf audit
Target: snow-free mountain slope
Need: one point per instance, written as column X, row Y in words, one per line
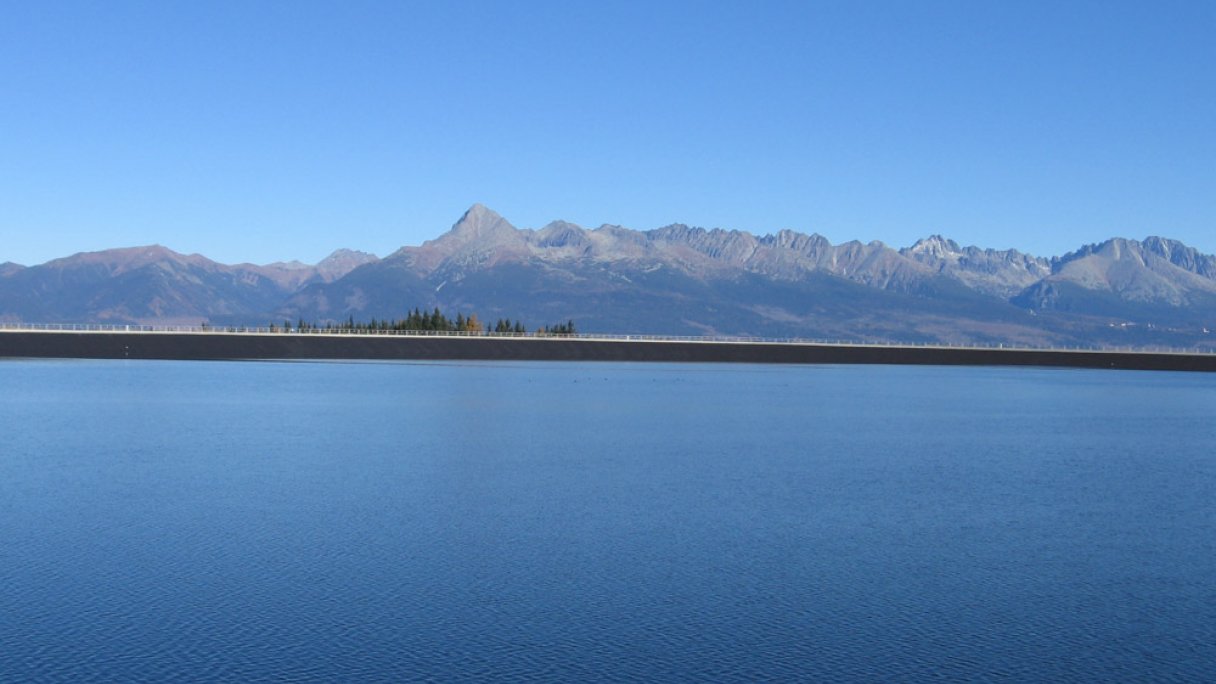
column 676, row 279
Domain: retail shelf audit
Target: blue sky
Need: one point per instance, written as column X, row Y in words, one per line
column 259, row 131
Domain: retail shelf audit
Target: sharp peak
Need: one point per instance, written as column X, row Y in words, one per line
column 478, row 215
column 479, row 210
column 935, row 237
column 476, row 225
column 934, row 243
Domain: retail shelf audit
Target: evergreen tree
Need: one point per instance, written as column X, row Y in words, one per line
column 434, row 321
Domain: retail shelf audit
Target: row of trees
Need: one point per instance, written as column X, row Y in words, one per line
column 435, row 321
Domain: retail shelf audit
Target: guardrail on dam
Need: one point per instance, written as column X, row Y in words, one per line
column 204, row 343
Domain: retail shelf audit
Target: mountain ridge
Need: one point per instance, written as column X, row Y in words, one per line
column 676, row 278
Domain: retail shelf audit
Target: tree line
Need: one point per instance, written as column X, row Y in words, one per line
column 421, row 321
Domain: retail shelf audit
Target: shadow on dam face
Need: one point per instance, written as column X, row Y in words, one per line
column 296, row 346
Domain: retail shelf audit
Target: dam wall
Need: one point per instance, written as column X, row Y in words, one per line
column 303, row 346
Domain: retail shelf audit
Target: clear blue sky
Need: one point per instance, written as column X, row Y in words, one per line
column 258, row 131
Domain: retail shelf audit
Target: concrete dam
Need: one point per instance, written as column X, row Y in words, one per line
column 145, row 342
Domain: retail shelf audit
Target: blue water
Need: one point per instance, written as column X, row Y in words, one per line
column 575, row 522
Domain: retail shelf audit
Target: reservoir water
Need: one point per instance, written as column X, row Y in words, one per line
column 185, row 521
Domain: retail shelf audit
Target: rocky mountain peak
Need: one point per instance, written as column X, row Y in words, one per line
column 1156, row 271
column 561, row 234
column 1112, row 250
column 341, row 262
column 674, row 232
column 343, row 257
column 992, row 272
column 480, row 238
column 798, row 242
column 1182, row 256
column 480, row 221
column 935, row 246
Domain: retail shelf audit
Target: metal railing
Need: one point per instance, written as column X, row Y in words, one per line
column 602, row 337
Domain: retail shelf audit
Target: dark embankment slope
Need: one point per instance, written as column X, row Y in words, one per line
column 253, row 346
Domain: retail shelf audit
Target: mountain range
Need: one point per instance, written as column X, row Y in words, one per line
column 672, row 280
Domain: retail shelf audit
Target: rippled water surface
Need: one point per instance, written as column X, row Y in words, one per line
column 572, row 522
